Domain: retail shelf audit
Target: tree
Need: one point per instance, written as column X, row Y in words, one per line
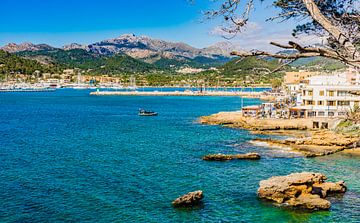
column 276, row 83
column 337, row 20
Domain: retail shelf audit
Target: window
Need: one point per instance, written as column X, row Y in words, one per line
column 315, row 125
column 324, row 125
column 310, row 93
column 320, row 103
column 311, row 114
column 331, row 103
column 342, row 93
column 321, row 113
column 330, row 93
column 343, row 103
column 321, row 93
column 310, row 102
column 331, row 113
column 341, row 113
column 356, row 103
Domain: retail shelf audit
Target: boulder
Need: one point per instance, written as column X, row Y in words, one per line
column 189, row 199
column 223, row 157
column 309, row 201
column 306, row 190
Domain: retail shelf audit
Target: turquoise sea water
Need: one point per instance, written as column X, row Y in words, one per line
column 68, row 157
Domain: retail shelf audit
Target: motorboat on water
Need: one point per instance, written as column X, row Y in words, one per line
column 143, row 112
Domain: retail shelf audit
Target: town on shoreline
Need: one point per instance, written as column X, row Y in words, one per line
column 319, row 112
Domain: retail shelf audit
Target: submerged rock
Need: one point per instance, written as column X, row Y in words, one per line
column 223, row 157
column 188, row 200
column 306, row 190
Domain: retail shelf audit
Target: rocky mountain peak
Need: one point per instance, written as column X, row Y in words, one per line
column 73, row 46
column 26, row 46
column 139, row 47
column 222, row 48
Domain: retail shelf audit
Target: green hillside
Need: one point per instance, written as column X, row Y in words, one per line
column 166, row 63
column 252, row 69
column 324, row 64
column 71, row 58
column 10, row 63
column 85, row 60
column 197, row 62
column 123, row 64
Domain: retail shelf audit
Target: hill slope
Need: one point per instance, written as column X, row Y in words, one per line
column 10, row 63
column 100, row 64
column 252, row 69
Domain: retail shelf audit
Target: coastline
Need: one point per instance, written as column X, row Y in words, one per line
column 300, row 137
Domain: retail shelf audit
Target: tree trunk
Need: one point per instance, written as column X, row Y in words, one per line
column 333, row 30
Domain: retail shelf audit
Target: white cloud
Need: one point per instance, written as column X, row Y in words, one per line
column 254, row 36
column 249, row 28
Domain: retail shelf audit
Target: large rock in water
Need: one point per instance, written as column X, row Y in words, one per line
column 188, row 200
column 223, row 157
column 306, row 190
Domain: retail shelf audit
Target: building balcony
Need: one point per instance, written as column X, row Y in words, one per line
column 331, row 98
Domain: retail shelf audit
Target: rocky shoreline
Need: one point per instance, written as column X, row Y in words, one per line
column 305, row 190
column 301, row 138
column 224, row 157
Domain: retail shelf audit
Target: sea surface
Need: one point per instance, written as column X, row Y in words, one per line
column 66, row 156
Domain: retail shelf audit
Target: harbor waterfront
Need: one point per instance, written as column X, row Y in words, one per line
column 70, row 157
column 177, row 93
column 259, row 93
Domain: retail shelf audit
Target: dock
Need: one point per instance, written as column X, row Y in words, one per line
column 259, row 95
column 26, row 90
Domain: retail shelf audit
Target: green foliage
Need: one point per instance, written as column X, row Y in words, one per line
column 344, row 124
column 276, row 83
column 158, row 80
column 123, row 64
column 10, row 63
column 98, row 64
column 166, row 63
column 252, row 70
column 197, row 62
column 76, row 58
column 325, row 64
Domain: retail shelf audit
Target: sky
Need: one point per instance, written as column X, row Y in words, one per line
column 60, row 22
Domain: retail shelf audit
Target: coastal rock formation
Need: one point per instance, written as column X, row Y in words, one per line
column 237, row 120
column 188, row 200
column 309, row 142
column 320, row 143
column 223, row 157
column 306, row 190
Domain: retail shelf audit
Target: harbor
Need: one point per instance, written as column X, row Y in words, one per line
column 253, row 94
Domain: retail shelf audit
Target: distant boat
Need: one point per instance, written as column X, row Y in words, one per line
column 142, row 112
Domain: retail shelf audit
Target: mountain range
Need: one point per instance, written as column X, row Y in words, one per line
column 140, row 54
column 140, row 47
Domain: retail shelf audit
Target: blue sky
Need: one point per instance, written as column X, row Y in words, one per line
column 59, row 22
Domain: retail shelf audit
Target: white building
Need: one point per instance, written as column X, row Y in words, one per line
column 329, row 96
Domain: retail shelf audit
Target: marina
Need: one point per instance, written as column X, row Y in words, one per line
column 27, row 90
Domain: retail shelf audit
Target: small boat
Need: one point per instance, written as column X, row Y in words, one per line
column 142, row 112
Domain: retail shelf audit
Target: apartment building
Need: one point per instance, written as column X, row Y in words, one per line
column 295, row 81
column 328, row 96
